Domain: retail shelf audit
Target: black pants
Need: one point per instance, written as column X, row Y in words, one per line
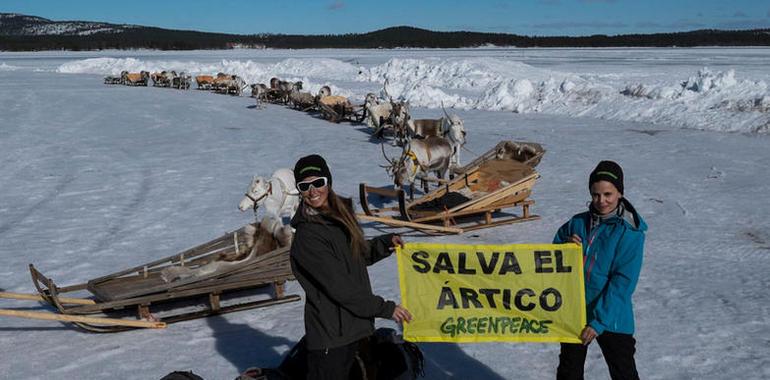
column 618, row 351
column 340, row 363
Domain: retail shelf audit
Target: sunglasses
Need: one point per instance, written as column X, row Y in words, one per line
column 316, row 184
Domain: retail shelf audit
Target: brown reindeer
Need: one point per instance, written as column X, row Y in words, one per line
column 418, row 159
column 135, row 79
column 204, row 82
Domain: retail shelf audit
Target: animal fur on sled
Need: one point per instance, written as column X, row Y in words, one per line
column 260, row 239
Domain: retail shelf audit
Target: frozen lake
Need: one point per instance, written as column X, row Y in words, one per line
column 99, row 178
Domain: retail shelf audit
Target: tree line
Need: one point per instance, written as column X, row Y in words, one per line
column 164, row 39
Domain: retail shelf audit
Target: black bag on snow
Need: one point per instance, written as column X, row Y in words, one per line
column 395, row 358
column 385, row 355
column 181, row 375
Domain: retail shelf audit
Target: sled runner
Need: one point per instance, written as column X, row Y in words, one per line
column 502, row 178
column 221, row 276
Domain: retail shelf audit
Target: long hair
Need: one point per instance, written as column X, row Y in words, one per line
column 340, row 210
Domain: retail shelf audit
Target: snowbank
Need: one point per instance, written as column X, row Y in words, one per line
column 710, row 100
column 6, row 67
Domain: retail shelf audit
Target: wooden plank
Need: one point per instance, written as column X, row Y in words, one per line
column 524, row 183
column 82, row 319
column 126, row 290
column 523, row 189
column 202, row 249
column 37, row 297
column 458, row 183
column 446, row 214
column 417, row 226
column 246, row 281
column 501, row 222
column 390, row 193
column 231, row 308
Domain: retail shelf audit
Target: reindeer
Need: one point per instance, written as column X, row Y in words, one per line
column 204, row 82
column 378, row 114
column 135, row 79
column 155, row 79
column 181, row 81
column 167, row 78
column 324, row 91
column 450, row 127
column 229, row 84
column 285, row 88
column 399, row 116
column 418, row 158
column 454, row 131
column 278, row 194
column 259, row 93
column 301, row 100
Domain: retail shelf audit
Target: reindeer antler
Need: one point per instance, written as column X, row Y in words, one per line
column 385, row 88
column 391, row 162
column 445, row 113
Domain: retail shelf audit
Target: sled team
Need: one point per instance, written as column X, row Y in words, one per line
column 329, row 258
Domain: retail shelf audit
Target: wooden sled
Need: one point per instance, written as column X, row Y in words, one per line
column 342, row 112
column 226, row 286
column 502, row 178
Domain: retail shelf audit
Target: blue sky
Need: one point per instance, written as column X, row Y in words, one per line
column 525, row 17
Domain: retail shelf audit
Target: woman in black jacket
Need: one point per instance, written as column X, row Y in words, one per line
column 329, row 256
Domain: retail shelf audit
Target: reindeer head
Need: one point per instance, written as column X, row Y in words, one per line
column 405, row 169
column 370, row 98
column 454, row 129
column 324, row 91
column 255, row 194
column 400, row 112
column 396, row 168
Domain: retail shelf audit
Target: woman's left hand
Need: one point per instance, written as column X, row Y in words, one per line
column 401, row 315
column 587, row 335
column 396, row 241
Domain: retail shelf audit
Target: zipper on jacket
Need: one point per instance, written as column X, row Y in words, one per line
column 591, row 238
column 339, row 318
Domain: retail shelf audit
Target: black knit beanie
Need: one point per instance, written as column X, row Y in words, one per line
column 312, row 165
column 608, row 171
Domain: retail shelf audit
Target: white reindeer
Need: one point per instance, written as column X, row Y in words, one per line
column 278, row 194
column 454, row 131
column 324, row 91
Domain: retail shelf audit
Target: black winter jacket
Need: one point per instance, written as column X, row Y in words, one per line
column 339, row 304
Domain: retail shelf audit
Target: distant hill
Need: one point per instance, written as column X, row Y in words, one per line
column 22, row 33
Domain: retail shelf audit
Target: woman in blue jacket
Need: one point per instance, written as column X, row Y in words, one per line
column 612, row 235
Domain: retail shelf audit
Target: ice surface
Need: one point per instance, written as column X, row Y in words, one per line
column 98, row 178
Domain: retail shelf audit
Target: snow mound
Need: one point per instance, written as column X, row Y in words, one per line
column 6, row 67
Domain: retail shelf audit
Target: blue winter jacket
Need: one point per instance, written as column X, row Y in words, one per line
column 612, row 254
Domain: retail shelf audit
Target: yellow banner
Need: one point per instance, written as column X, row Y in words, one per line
column 492, row 293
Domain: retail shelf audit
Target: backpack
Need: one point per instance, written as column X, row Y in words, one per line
column 388, row 356
column 395, row 358
column 181, row 375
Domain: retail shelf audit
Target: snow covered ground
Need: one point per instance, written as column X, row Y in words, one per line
column 98, row 178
